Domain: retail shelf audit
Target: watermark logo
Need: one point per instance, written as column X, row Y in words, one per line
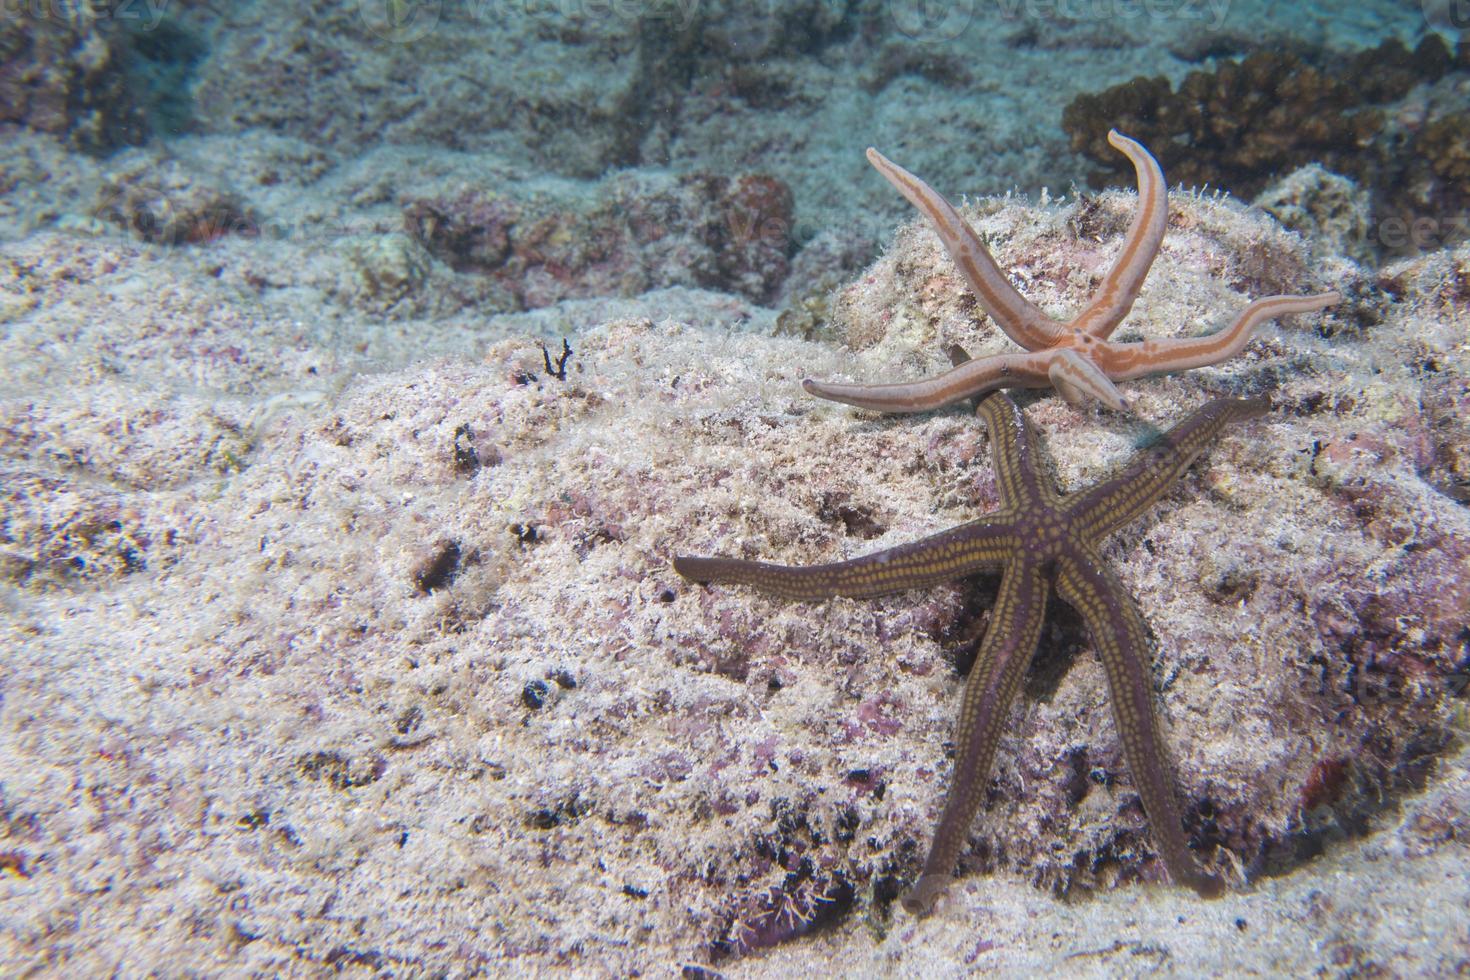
column 144, row 15
column 1420, row 232
column 1210, row 13
column 140, row 15
column 1447, row 15
column 682, row 14
column 1367, row 688
column 931, row 20
column 400, row 21
column 1458, row 682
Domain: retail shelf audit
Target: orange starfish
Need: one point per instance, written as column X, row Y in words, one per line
column 1076, row 358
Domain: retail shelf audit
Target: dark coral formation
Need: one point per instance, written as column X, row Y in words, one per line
column 1446, row 146
column 101, row 75
column 65, row 76
column 726, row 233
column 469, row 232
column 748, row 230
column 163, row 201
column 1252, row 121
column 1433, row 196
column 1446, row 401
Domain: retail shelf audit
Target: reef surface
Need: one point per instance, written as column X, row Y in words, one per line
column 339, row 624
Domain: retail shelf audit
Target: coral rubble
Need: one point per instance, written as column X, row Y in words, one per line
column 1249, row 122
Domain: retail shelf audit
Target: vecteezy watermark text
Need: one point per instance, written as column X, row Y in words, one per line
column 143, row 15
column 680, row 12
column 1420, row 233
column 408, row 20
column 1211, row 12
column 1447, row 15
column 941, row 20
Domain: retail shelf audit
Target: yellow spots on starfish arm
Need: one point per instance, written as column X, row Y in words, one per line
column 1036, row 537
column 1110, row 505
column 1117, row 631
column 968, row 549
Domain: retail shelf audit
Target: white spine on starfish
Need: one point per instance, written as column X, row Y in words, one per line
column 1118, row 291
column 1163, row 356
column 1078, row 379
column 1014, row 313
column 965, row 381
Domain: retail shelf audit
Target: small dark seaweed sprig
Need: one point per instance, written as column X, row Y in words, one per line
column 558, row 370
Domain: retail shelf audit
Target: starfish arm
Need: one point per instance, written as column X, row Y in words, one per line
column 971, row 378
column 1110, row 505
column 978, row 546
column 1120, row 288
column 1080, row 380
column 1124, row 362
column 1021, row 480
column 1000, row 666
column 1021, row 321
column 1118, row 632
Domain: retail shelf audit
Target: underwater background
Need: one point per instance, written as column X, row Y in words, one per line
column 364, row 364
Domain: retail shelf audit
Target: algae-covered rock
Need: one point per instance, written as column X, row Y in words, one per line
column 426, row 651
